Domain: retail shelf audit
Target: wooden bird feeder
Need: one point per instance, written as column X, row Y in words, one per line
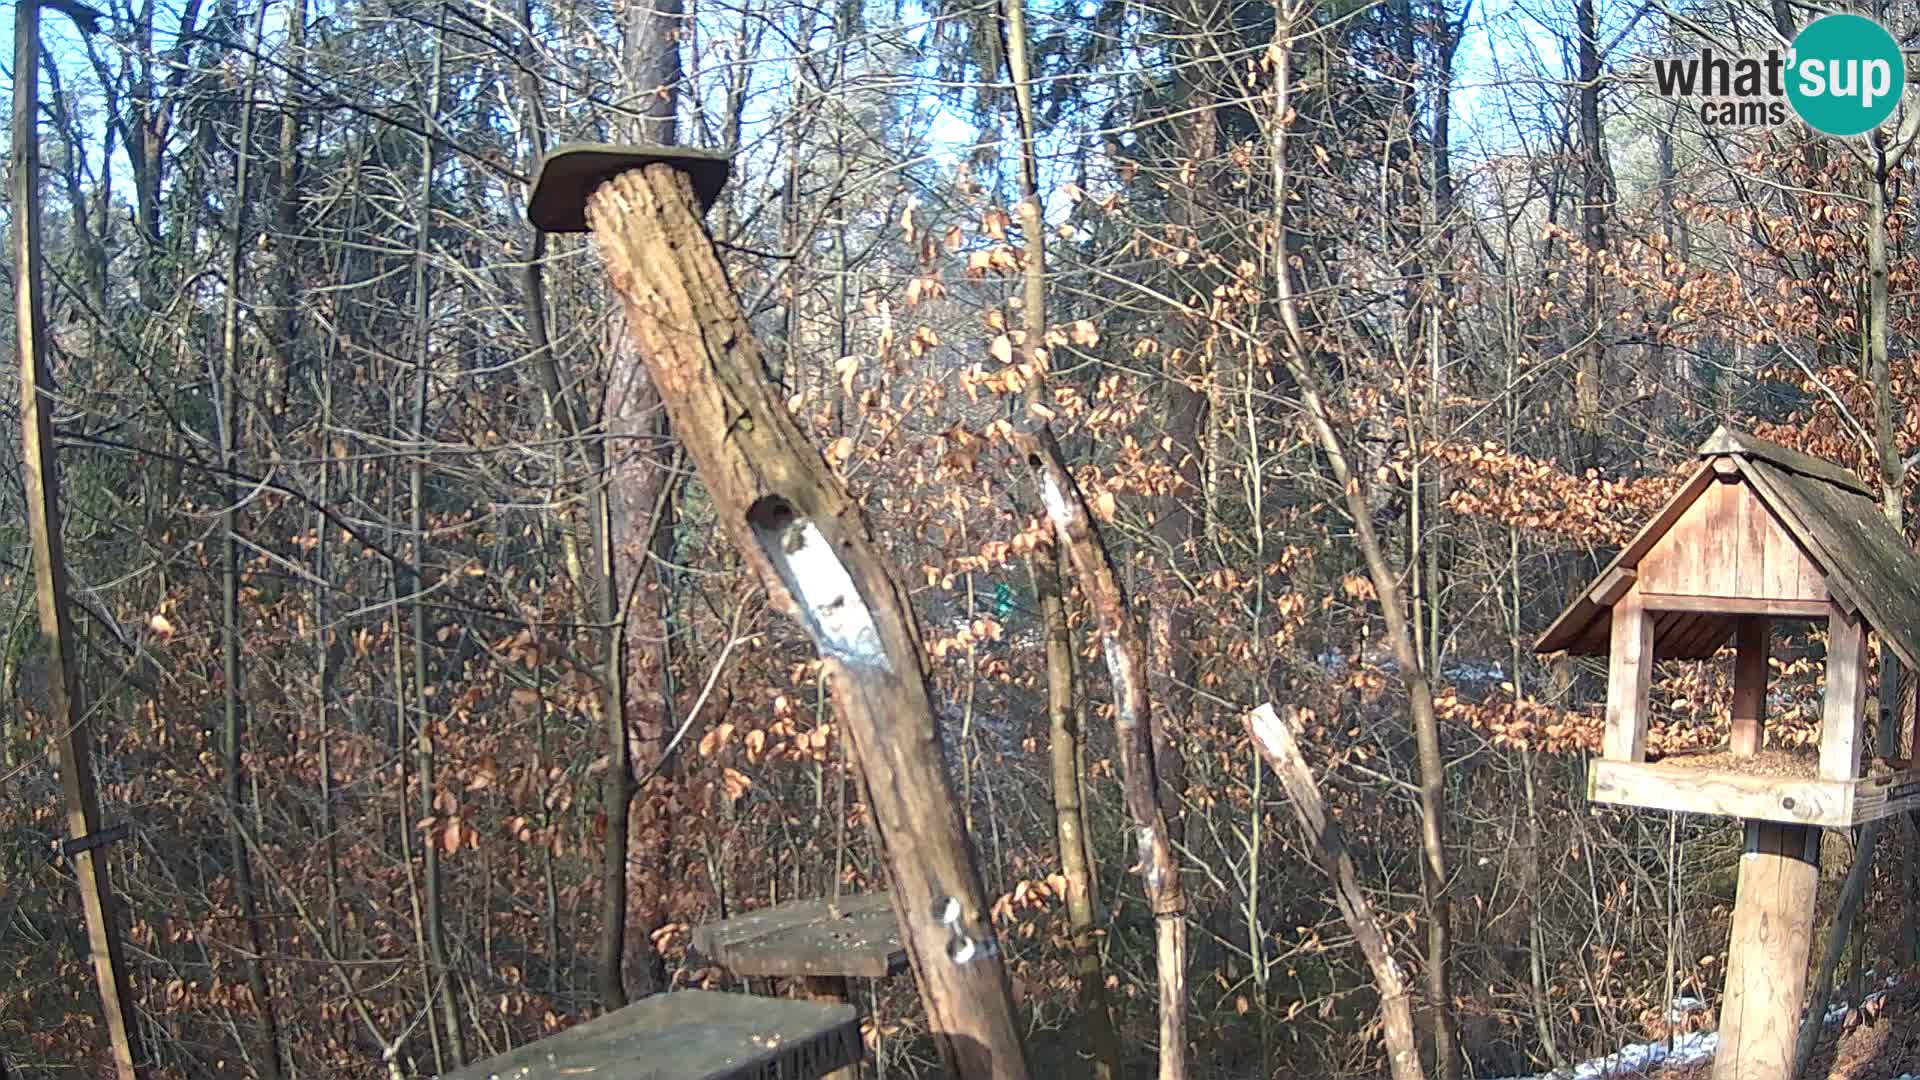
column 817, row 945
column 1758, row 534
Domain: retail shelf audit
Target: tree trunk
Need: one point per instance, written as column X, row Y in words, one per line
column 1070, row 814
column 233, row 703
column 1074, row 532
column 1593, row 235
column 1273, row 737
column 417, row 524
column 806, row 539
column 1296, row 354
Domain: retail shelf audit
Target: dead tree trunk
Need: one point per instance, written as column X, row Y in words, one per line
column 1273, row 737
column 72, row 730
column 1126, row 653
column 806, row 539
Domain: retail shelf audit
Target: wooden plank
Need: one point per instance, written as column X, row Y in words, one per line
column 1737, row 605
column 691, row 1035
column 1629, row 674
column 1842, row 715
column 1612, row 586
column 1726, row 441
column 1704, row 637
column 805, row 938
column 1891, row 797
column 1767, row 956
column 1753, row 634
column 1569, row 628
column 1691, row 790
column 1728, row 543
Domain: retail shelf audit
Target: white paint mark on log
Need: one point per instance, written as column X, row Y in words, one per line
column 1055, row 499
column 1147, row 845
column 837, row 619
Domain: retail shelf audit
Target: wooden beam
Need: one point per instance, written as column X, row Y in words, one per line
column 809, row 543
column 1842, row 716
column 1752, row 636
column 69, row 718
column 1736, row 605
column 1691, row 790
column 1612, row 585
column 1688, row 789
column 1767, row 957
column 1629, row 674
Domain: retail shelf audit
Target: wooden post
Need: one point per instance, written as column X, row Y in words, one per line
column 806, row 539
column 1844, row 712
column 1767, row 958
column 72, row 731
column 1751, row 646
column 1629, row 675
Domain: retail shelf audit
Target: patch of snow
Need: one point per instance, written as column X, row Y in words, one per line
column 1684, row 1007
column 1688, row 1049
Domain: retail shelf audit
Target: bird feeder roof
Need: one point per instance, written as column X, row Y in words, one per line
column 1829, row 515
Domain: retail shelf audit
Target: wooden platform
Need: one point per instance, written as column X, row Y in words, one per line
column 690, row 1035
column 804, row 938
column 1833, row 804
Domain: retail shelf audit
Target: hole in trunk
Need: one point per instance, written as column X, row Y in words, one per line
column 836, row 616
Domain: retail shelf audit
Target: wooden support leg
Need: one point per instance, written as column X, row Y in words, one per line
column 838, row 990
column 1844, row 714
column 1767, row 958
column 1629, row 674
column 1751, row 635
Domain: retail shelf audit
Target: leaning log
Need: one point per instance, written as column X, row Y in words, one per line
column 806, row 539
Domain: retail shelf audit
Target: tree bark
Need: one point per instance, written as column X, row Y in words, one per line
column 1296, row 354
column 806, row 539
column 1070, row 815
column 1273, row 737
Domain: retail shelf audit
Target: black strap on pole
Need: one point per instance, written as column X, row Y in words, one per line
column 70, row 848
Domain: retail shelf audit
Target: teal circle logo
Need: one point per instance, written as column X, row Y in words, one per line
column 1845, row 74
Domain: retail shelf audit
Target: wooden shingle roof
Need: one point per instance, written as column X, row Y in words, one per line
column 1827, row 511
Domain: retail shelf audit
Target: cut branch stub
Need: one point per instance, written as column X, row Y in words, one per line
column 800, row 531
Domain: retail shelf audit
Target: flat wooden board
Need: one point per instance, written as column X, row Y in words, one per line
column 1832, row 804
column 690, row 1035
column 805, row 938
